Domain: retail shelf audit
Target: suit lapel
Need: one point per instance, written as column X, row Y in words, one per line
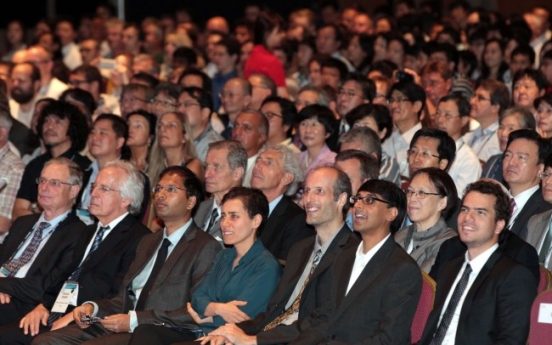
column 16, row 236
column 540, row 230
column 273, row 220
column 447, row 281
column 299, row 268
column 143, row 255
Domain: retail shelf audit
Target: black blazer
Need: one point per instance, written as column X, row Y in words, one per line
column 533, row 206
column 496, row 308
column 510, row 243
column 379, row 307
column 315, row 292
column 53, row 264
column 284, row 227
column 103, row 271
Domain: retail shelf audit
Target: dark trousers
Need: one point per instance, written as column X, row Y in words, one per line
column 14, row 311
column 160, row 335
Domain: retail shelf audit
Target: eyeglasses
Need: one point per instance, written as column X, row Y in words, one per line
column 445, row 115
column 133, row 99
column 544, row 175
column 188, row 104
column 366, row 200
column 102, row 188
column 170, row 189
column 420, row 193
column 480, row 98
column 163, row 103
column 53, row 182
column 397, row 100
column 269, row 115
column 423, row 154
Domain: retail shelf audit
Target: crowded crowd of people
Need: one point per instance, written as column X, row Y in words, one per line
column 278, row 179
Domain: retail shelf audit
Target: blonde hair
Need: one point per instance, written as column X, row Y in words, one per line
column 157, row 159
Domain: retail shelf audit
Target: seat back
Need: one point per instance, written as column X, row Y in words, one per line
column 545, row 281
column 425, row 305
column 540, row 332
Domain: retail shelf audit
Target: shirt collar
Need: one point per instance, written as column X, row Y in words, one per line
column 115, row 221
column 521, row 198
column 54, row 222
column 410, row 133
column 478, row 262
column 177, row 235
column 325, row 246
column 273, row 203
column 253, row 252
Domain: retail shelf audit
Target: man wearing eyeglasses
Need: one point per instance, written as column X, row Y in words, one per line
column 105, row 254
column 41, row 249
column 169, row 265
column 235, row 96
column 281, row 115
column 355, row 90
column 376, row 285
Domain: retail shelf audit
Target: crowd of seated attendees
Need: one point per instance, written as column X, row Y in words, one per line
column 296, row 178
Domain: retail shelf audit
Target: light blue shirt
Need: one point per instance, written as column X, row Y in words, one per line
column 273, row 203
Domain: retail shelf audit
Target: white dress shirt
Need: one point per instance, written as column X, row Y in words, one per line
column 466, row 167
column 397, row 145
column 361, row 260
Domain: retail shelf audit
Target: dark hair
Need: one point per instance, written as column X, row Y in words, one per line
column 391, row 193
column 525, row 50
column 543, row 145
column 289, row 111
column 461, row 102
column 378, row 112
column 467, row 57
column 91, row 74
column 145, row 78
column 534, row 74
column 485, row 70
column 78, row 126
column 253, row 200
column 169, row 89
column 152, row 119
column 338, row 33
column 546, row 98
column 446, row 148
column 499, row 93
column 202, row 96
column 366, row 44
column 206, row 81
column 502, row 202
column 323, row 114
column 149, row 92
column 369, row 166
column 267, row 82
column 385, row 67
column 35, row 72
column 184, row 56
column 367, row 86
column 448, row 49
column 445, row 186
column 413, row 91
column 267, row 21
column 232, row 45
column 81, row 96
column 192, row 184
column 369, row 140
column 119, row 125
column 336, row 64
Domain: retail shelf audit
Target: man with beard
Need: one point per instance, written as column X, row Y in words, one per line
column 25, row 80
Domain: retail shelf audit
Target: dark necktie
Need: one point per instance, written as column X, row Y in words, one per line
column 453, row 303
column 512, row 207
column 545, row 248
column 295, row 306
column 212, row 220
column 159, row 261
column 76, row 274
column 15, row 264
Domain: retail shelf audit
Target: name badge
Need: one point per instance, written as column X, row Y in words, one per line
column 4, row 272
column 68, row 293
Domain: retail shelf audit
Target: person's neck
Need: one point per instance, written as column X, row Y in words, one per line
column 428, row 223
column 328, row 230
column 102, row 161
column 276, row 139
column 45, row 79
column 243, row 248
column 313, row 152
column 456, row 136
column 371, row 238
column 197, row 130
column 51, row 214
column 219, row 195
column 273, row 194
column 106, row 220
column 493, row 71
column 139, row 155
column 174, row 156
column 172, row 225
column 486, row 121
column 252, row 152
column 26, row 107
column 517, row 189
column 227, row 70
column 406, row 125
column 58, row 150
column 476, row 251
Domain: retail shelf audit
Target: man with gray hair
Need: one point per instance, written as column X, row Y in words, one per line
column 40, row 250
column 277, row 173
column 104, row 255
column 366, row 140
column 224, row 168
column 11, row 171
column 262, row 87
column 251, row 130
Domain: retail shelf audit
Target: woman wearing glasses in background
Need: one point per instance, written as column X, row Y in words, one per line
column 431, row 197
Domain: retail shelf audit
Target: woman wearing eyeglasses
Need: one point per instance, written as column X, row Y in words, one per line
column 431, row 197
column 173, row 146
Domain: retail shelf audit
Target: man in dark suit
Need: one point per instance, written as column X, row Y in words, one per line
column 225, row 166
column 39, row 252
column 523, row 161
column 327, row 191
column 167, row 268
column 539, row 233
column 108, row 251
column 277, row 173
column 376, row 286
column 484, row 297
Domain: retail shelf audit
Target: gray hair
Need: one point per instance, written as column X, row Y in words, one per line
column 237, row 156
column 75, row 172
column 263, row 125
column 366, row 137
column 524, row 116
column 323, row 97
column 290, row 165
column 132, row 187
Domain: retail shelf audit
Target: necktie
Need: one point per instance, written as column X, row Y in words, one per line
column 453, row 303
column 545, row 248
column 159, row 261
column 512, row 207
column 15, row 264
column 295, row 306
column 76, row 274
column 212, row 220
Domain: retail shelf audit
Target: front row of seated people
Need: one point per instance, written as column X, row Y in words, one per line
column 178, row 285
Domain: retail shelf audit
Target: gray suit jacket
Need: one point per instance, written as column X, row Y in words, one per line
column 202, row 217
column 536, row 230
column 181, row 274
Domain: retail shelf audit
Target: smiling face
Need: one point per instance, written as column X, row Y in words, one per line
column 318, row 198
column 237, row 228
column 427, row 211
column 477, row 226
column 367, row 218
column 312, row 133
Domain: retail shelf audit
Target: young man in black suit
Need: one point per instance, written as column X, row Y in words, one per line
column 483, row 297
